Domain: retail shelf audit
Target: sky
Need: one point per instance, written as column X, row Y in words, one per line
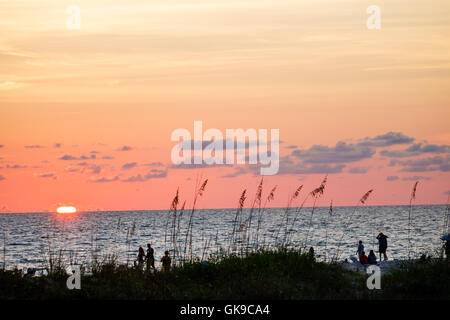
column 86, row 115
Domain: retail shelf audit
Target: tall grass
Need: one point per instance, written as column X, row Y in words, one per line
column 200, row 188
column 446, row 225
column 236, row 222
column 256, row 203
column 4, row 249
column 269, row 198
column 361, row 201
column 411, row 199
column 286, row 215
column 330, row 213
column 316, row 193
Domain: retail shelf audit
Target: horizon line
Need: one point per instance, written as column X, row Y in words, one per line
column 234, row 208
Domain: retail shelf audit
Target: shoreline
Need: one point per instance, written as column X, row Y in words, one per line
column 280, row 274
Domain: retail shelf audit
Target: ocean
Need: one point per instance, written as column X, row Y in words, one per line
column 30, row 239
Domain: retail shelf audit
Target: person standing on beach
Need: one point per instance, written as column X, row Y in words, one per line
column 382, row 245
column 150, row 257
column 311, row 254
column 141, row 255
column 447, row 249
column 166, row 261
column 360, row 248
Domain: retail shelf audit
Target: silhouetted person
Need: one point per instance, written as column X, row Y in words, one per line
column 141, row 256
column 360, row 248
column 311, row 253
column 166, row 261
column 372, row 258
column 150, row 257
column 447, row 248
column 363, row 258
column 382, row 245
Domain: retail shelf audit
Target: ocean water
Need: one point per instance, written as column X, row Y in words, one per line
column 29, row 239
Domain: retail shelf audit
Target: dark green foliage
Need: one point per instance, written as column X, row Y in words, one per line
column 425, row 279
column 278, row 274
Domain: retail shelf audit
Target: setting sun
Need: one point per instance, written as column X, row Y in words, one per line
column 66, row 210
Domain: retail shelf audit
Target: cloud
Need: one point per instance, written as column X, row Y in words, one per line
column 310, row 169
column 129, row 165
column 342, row 152
column 16, row 166
column 2, row 177
column 47, row 175
column 154, row 164
column 289, row 165
column 437, row 163
column 68, row 157
column 198, row 166
column 318, row 159
column 104, row 179
column 92, row 156
column 125, row 148
column 415, row 150
column 189, row 144
column 415, row 178
column 95, row 169
column 386, row 140
column 10, row 85
column 34, row 146
column 322, row 159
column 57, row 145
column 107, row 157
column 392, row 178
column 153, row 174
column 358, row 170
column 2, row 146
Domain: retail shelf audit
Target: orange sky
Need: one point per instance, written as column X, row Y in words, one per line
column 137, row 70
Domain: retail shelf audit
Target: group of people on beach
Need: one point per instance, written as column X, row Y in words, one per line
column 166, row 261
column 372, row 258
column 149, row 258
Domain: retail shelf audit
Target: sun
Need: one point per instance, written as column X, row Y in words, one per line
column 66, row 210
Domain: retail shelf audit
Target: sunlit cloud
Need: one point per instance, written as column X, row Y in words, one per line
column 358, row 170
column 104, row 179
column 125, row 148
column 153, row 174
column 392, row 178
column 415, row 178
column 129, row 165
column 16, row 166
column 51, row 175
